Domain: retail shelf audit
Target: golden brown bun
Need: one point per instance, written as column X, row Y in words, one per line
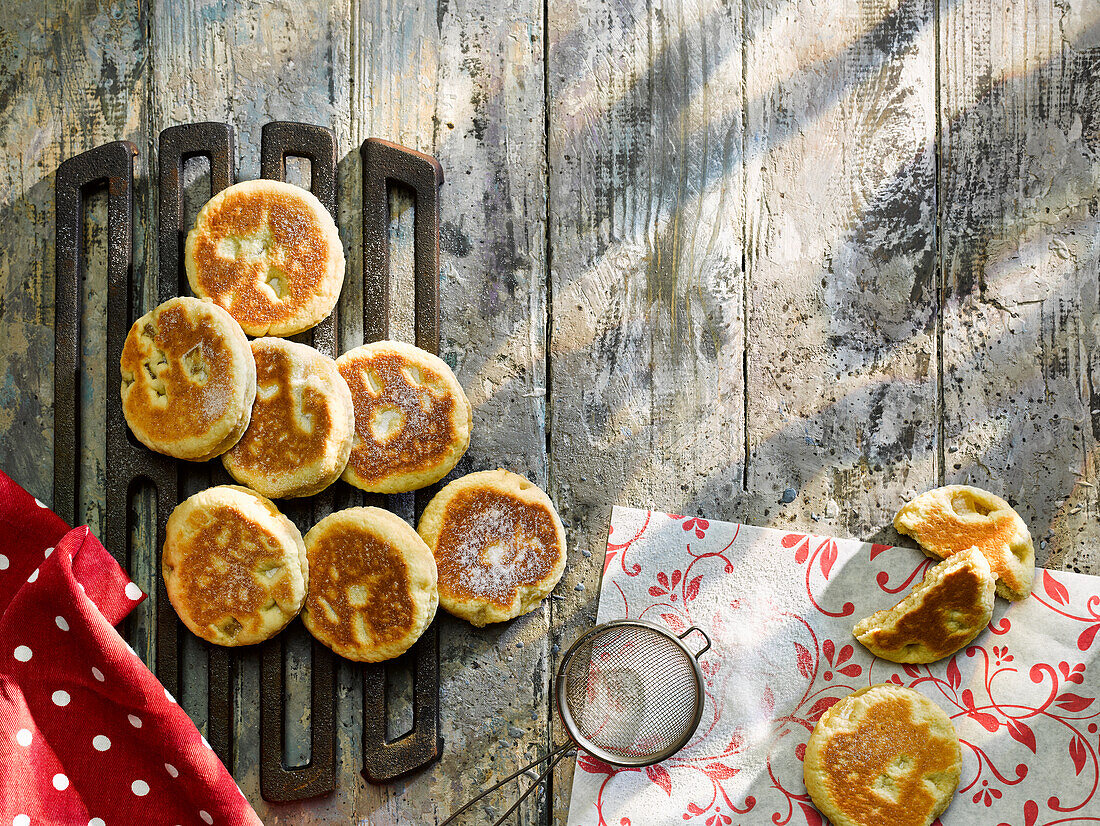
column 412, row 420
column 234, row 567
column 188, row 379
column 270, row 254
column 956, row 517
column 883, row 756
column 299, row 439
column 372, row 585
column 948, row 609
column 498, row 543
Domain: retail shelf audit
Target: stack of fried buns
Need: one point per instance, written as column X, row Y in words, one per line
column 265, row 259
column 886, row 754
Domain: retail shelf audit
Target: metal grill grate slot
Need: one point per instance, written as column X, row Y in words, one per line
column 383, row 162
column 278, row 783
column 213, row 141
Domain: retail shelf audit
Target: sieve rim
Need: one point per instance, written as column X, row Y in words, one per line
column 596, row 750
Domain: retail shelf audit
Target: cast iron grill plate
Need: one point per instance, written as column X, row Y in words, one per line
column 129, row 465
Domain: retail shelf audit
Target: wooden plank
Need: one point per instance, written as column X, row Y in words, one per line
column 1020, row 181
column 57, row 99
column 467, row 86
column 248, row 65
column 646, row 189
column 840, row 262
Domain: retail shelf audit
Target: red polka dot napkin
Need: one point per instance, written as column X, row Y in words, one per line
column 87, row 734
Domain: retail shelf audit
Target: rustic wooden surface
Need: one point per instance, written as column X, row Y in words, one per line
column 774, row 260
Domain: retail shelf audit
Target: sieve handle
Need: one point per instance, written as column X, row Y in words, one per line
column 557, row 754
column 705, row 648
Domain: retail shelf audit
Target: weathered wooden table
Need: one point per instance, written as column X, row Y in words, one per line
column 779, row 261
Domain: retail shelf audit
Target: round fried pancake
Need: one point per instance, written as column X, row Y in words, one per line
column 883, row 756
column 956, row 517
column 234, row 567
column 949, row 608
column 499, row 545
column 270, row 254
column 188, row 379
column 412, row 419
column 372, row 584
column 299, row 439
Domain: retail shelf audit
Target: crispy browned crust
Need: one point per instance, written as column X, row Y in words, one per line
column 890, row 758
column 950, row 519
column 233, row 565
column 498, row 543
column 270, row 254
column 188, row 379
column 948, row 609
column 372, row 588
column 412, row 419
column 300, row 435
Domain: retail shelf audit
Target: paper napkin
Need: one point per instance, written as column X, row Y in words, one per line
column 780, row 608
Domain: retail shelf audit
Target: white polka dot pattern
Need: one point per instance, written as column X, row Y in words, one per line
column 91, row 760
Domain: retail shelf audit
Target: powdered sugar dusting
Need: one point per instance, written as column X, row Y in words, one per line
column 492, row 544
column 404, row 425
column 186, row 377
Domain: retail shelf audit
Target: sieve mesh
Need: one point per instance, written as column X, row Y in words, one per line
column 631, row 691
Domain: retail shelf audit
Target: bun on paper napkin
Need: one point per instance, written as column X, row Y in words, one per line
column 948, row 609
column 950, row 519
column 883, row 756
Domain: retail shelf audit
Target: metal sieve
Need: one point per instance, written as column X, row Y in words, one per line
column 629, row 692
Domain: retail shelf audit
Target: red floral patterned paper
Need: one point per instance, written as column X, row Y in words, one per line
column 780, row 608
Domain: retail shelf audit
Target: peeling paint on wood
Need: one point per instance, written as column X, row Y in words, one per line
column 840, row 262
column 781, row 285
column 646, row 234
column 1021, row 242
column 57, row 98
